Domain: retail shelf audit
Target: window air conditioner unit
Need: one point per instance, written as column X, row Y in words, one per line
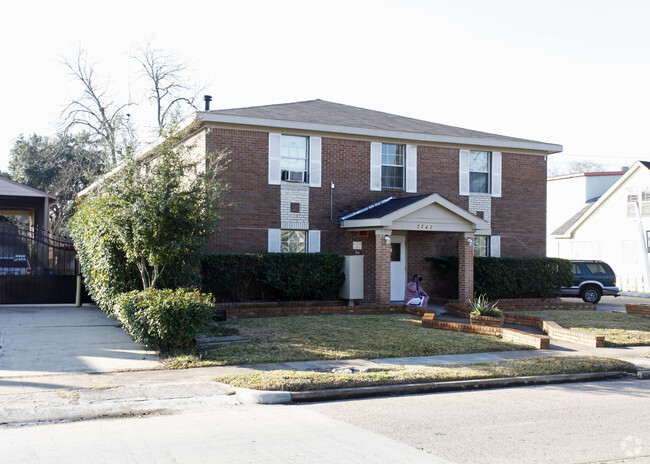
column 293, row 176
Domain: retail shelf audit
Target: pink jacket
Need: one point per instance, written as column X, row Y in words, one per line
column 413, row 290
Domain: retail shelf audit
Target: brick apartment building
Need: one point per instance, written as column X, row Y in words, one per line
column 317, row 176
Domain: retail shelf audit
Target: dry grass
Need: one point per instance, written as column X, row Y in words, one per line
column 619, row 329
column 305, row 381
column 306, row 338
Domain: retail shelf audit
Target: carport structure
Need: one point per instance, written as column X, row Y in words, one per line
column 35, row 266
column 32, row 206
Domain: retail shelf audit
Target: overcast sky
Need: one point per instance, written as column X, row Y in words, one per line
column 571, row 72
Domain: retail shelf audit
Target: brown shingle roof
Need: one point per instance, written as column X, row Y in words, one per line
column 336, row 114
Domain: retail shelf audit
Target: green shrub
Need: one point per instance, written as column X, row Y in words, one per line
column 304, row 275
column 499, row 278
column 287, row 276
column 520, row 277
column 233, row 276
column 164, row 319
column 103, row 263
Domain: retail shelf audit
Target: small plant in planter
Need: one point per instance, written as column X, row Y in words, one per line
column 484, row 312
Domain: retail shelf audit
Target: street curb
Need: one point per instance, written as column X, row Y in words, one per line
column 275, row 397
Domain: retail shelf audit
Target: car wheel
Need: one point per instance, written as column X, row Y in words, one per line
column 591, row 294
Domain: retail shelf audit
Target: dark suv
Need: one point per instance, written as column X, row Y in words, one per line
column 591, row 280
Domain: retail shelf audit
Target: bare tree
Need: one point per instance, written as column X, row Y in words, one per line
column 575, row 167
column 168, row 92
column 96, row 112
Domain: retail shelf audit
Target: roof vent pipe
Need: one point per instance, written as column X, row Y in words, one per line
column 207, row 99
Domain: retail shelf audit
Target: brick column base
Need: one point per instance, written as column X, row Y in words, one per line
column 382, row 267
column 465, row 268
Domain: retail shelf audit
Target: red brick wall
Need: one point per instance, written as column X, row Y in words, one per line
column 256, row 204
column 519, row 216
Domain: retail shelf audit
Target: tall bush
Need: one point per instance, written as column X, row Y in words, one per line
column 106, row 271
column 154, row 215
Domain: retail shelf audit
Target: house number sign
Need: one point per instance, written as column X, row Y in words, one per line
column 424, row 227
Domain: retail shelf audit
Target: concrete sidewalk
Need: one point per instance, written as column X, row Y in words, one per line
column 70, row 363
column 55, row 397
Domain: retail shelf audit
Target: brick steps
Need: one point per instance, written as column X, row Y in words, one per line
column 540, row 342
column 637, row 310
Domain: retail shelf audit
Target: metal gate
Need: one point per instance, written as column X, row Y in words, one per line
column 36, row 267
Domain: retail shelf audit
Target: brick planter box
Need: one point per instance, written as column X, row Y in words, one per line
column 486, row 320
column 637, row 310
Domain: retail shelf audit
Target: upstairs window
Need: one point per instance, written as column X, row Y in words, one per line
column 392, row 165
column 479, row 171
column 294, row 158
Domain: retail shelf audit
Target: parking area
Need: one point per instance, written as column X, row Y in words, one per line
column 617, row 303
column 53, row 339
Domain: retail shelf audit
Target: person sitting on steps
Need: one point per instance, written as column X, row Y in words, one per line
column 415, row 295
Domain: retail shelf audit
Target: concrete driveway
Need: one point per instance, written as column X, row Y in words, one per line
column 53, row 339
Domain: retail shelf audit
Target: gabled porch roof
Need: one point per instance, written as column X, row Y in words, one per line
column 431, row 212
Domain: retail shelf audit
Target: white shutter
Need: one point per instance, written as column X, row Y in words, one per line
column 314, row 161
column 274, row 158
column 496, row 173
column 411, row 168
column 274, row 241
column 313, row 241
column 463, row 172
column 375, row 166
column 495, row 246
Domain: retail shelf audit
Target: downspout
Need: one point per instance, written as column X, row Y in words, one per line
column 644, row 248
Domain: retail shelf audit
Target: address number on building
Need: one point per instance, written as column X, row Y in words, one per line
column 424, row 226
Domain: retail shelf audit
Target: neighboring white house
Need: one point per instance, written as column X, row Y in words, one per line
column 606, row 216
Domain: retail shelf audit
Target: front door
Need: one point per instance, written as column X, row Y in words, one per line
column 398, row 268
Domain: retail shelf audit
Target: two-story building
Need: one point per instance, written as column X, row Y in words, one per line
column 317, row 176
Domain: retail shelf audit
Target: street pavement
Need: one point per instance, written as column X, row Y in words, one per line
column 114, row 376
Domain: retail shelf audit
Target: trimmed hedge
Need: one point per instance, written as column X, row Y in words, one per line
column 508, row 277
column 287, row 276
column 164, row 319
column 106, row 271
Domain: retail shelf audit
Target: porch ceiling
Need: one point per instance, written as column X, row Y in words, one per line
column 432, row 213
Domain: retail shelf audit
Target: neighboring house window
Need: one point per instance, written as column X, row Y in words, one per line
column 481, row 245
column 479, row 171
column 294, row 158
column 293, row 241
column 644, row 204
column 392, row 165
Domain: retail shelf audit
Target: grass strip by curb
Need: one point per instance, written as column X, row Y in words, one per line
column 297, row 381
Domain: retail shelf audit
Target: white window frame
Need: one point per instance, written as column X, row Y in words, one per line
column 409, row 168
column 313, row 165
column 494, row 175
column 492, row 243
column 312, row 238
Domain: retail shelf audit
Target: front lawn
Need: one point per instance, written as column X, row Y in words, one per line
column 306, row 338
column 305, row 381
column 619, row 329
